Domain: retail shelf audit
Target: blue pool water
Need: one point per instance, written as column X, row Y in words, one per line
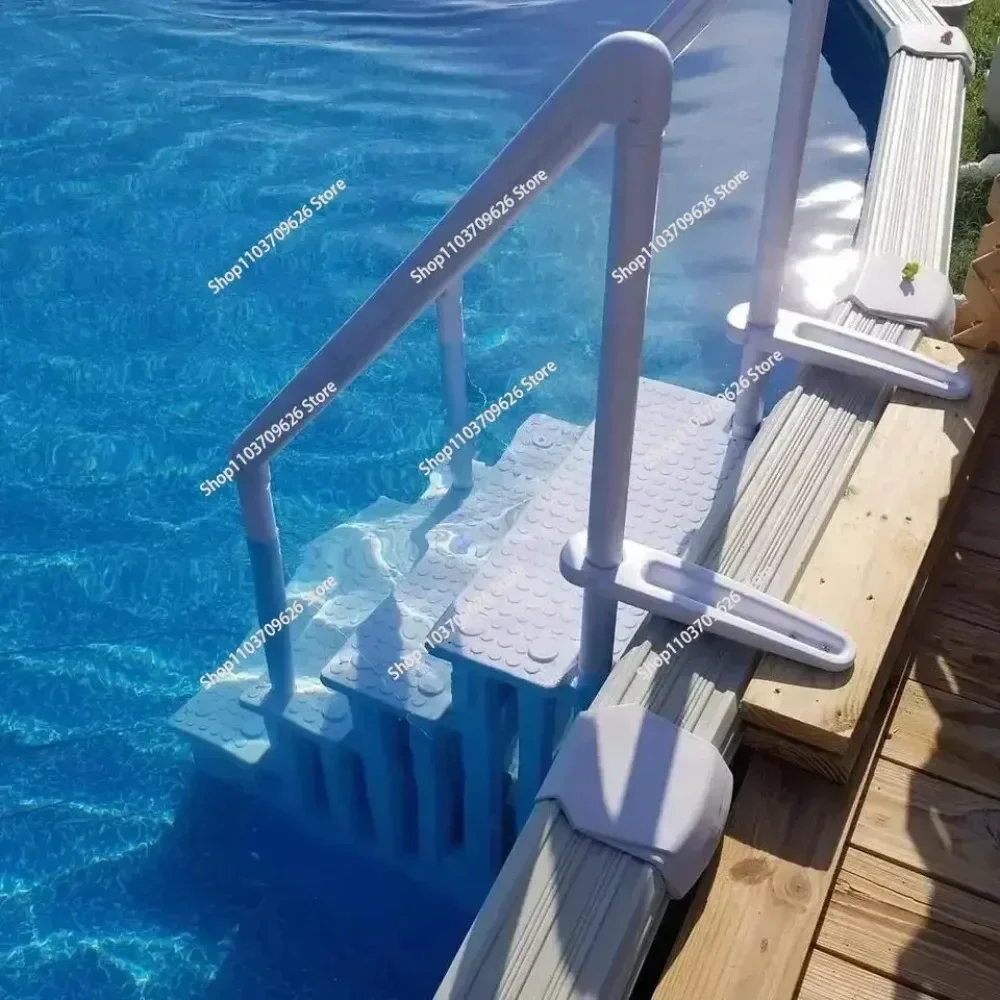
column 144, row 144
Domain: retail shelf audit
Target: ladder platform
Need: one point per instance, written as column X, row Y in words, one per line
column 397, row 629
column 223, row 715
column 526, row 622
column 215, row 719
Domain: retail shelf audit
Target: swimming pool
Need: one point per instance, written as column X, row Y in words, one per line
column 145, row 146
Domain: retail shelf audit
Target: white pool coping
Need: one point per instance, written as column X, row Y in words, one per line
column 569, row 918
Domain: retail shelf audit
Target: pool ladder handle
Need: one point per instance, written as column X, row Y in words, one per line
column 819, row 342
column 665, row 585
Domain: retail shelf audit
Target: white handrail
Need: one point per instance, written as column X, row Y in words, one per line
column 451, row 337
column 624, row 81
column 551, row 140
column 610, row 86
column 791, row 128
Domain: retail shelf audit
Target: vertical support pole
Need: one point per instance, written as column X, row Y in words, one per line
column 633, row 215
column 381, row 751
column 478, row 706
column 451, row 336
column 435, row 794
column 798, row 83
column 254, row 485
column 339, row 791
column 536, row 717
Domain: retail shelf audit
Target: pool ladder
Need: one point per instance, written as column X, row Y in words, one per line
column 624, row 83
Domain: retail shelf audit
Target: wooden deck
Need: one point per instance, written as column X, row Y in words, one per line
column 867, row 570
column 887, row 887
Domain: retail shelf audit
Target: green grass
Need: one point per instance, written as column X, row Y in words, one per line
column 982, row 28
column 970, row 217
column 979, row 138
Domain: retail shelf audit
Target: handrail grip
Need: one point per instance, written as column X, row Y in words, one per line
column 625, row 80
column 394, row 305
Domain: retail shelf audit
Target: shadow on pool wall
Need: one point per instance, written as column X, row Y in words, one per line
column 855, row 51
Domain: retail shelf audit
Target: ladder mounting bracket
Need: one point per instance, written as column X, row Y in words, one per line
column 819, row 342
column 665, row 585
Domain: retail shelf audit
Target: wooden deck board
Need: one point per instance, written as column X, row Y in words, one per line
column 917, row 901
column 914, row 912
column 968, row 588
column 866, row 570
column 959, row 657
column 978, row 528
column 755, row 912
column 831, row 978
column 952, row 738
column 907, row 927
column 753, row 930
column 989, row 473
column 945, row 831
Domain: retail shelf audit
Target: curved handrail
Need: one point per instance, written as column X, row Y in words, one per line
column 552, row 139
column 625, row 81
column 609, row 87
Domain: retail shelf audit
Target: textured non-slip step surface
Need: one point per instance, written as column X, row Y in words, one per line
column 215, row 717
column 363, row 555
column 401, row 624
column 366, row 556
column 521, row 617
column 457, row 544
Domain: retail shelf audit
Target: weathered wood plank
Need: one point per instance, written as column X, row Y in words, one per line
column 872, row 555
column 908, row 927
column 970, row 753
column 959, row 657
column 831, row 978
column 988, row 477
column 833, row 766
column 979, row 529
column 751, row 934
column 967, row 586
column 752, row 921
column 946, row 831
column 949, row 737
